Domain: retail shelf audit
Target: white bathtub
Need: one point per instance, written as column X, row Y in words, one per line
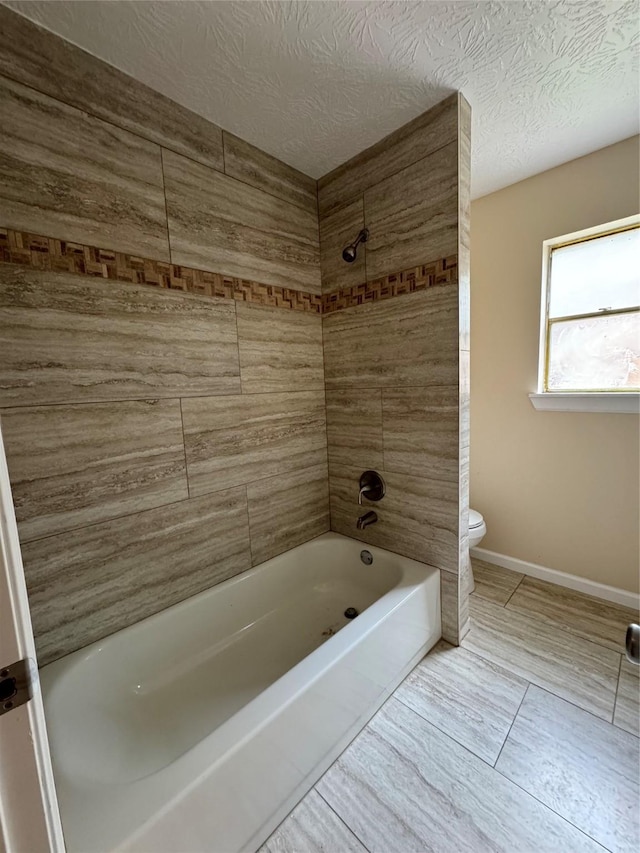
column 201, row 727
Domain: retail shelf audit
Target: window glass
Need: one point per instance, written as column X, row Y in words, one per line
column 600, row 273
column 595, row 353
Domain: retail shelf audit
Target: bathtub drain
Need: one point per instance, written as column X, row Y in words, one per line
column 351, row 613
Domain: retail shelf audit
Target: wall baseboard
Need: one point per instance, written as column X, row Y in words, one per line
column 598, row 590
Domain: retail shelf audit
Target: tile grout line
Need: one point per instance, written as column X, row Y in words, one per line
column 246, row 497
column 342, row 821
column 516, row 588
column 515, row 717
column 166, row 204
column 615, row 701
column 184, row 450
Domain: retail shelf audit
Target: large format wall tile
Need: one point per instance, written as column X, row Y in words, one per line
column 415, row 140
column 222, row 224
column 583, row 768
column 68, row 175
column 68, row 338
column 354, row 427
column 77, row 464
column 420, row 431
column 575, row 669
column 417, row 517
column 411, row 340
column 39, row 58
column 279, row 350
column 287, row 510
column 412, row 217
column 402, row 785
column 338, row 230
column 261, row 170
column 88, row 583
column 234, row 440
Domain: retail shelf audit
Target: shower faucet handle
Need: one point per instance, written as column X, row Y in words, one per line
column 372, row 485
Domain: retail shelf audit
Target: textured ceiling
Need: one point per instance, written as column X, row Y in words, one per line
column 316, row 82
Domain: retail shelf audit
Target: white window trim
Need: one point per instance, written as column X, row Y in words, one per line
column 623, row 402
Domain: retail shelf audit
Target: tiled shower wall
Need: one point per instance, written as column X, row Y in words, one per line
column 157, row 442
column 396, row 370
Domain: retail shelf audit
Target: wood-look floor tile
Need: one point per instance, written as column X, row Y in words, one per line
column 91, row 582
column 493, row 582
column 412, row 216
column 75, row 339
column 404, row 786
column 627, row 711
column 287, row 510
column 248, row 163
column 69, row 175
column 78, row 464
column 219, row 223
column 575, row 669
column 279, row 350
column 386, row 344
column 583, row 768
column 38, row 58
column 469, row 699
column 231, row 441
column 592, row 618
column 354, row 427
column 338, row 230
column 420, row 428
column 312, row 827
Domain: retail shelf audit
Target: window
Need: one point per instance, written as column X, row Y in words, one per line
column 590, row 324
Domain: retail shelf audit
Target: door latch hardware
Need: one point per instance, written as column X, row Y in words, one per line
column 15, row 685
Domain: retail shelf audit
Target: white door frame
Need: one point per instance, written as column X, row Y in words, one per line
column 29, row 816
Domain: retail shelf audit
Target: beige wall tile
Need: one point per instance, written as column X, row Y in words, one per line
column 36, row 57
column 87, row 583
column 222, row 224
column 69, row 338
column 279, row 350
column 261, row 170
column 354, row 427
column 420, row 431
column 417, row 517
column 337, row 230
column 412, row 216
column 287, row 510
column 464, row 220
column 449, row 607
column 234, row 440
column 415, row 140
column 68, row 175
column 74, row 465
column 411, row 340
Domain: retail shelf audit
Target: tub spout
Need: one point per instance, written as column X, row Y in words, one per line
column 366, row 519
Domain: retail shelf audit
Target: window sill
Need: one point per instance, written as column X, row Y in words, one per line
column 623, row 403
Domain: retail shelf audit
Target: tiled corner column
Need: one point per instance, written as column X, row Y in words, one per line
column 397, row 370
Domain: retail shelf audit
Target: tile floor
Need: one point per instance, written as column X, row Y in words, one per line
column 523, row 739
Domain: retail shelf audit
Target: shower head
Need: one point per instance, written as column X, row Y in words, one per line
column 350, row 253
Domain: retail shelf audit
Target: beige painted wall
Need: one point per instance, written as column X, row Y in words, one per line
column 557, row 489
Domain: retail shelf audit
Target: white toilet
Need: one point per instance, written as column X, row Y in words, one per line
column 477, row 528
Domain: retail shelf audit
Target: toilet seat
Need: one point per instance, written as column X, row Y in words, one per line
column 475, row 519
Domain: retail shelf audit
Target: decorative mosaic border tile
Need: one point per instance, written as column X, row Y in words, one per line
column 50, row 253
column 441, row 272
